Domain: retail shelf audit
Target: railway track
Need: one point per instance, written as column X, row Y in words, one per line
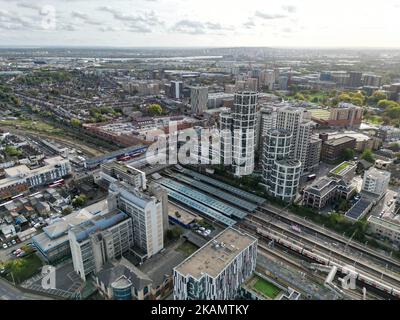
column 330, row 253
column 290, row 218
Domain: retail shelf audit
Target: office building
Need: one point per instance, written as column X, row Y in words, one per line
column 326, row 191
column 218, row 269
column 376, row 181
column 198, row 99
column 100, row 240
column 53, row 243
column 146, row 213
column 123, row 172
column 332, row 150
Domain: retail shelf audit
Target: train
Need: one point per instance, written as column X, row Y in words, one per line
column 309, row 253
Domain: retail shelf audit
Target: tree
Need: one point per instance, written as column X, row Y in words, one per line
column 75, row 122
column 12, row 151
column 155, row 109
column 377, row 96
column 344, row 97
column 79, row 201
column 300, row 96
column 66, row 211
column 348, row 154
column 367, row 155
column 387, row 103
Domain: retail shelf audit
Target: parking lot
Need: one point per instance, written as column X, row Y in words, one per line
column 385, row 207
column 6, row 254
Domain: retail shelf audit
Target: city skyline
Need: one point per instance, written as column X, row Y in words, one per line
column 176, row 23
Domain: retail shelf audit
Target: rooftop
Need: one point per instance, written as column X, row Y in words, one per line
column 214, row 256
column 322, row 186
column 387, row 224
column 339, row 141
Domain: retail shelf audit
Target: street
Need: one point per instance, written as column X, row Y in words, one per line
column 9, row 292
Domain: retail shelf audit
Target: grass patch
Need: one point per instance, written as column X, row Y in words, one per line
column 31, row 125
column 22, row 268
column 340, row 167
column 187, row 248
column 267, row 288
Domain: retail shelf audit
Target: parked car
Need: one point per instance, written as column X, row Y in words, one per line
column 5, row 246
column 13, row 242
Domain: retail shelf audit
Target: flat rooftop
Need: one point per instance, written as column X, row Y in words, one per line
column 215, row 255
column 385, row 223
column 339, row 141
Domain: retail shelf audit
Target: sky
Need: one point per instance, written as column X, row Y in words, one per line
column 200, row 23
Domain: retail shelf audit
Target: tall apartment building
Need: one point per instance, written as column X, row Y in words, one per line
column 372, row 80
column 252, row 84
column 354, row 79
column 176, row 89
column 376, row 181
column 266, row 121
column 225, row 126
column 218, row 269
column 281, row 174
column 146, row 213
column 99, row 240
column 277, row 146
column 284, row 179
column 314, row 154
column 244, row 122
column 198, row 99
column 267, row 79
column 296, row 120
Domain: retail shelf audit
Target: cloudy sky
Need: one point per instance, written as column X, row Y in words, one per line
column 195, row 23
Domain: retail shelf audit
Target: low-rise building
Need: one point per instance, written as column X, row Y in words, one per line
column 384, row 228
column 326, row 191
column 345, row 171
column 376, row 181
column 123, row 281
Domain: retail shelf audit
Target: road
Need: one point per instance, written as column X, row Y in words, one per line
column 9, row 292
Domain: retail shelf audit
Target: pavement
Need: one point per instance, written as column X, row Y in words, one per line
column 9, row 292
